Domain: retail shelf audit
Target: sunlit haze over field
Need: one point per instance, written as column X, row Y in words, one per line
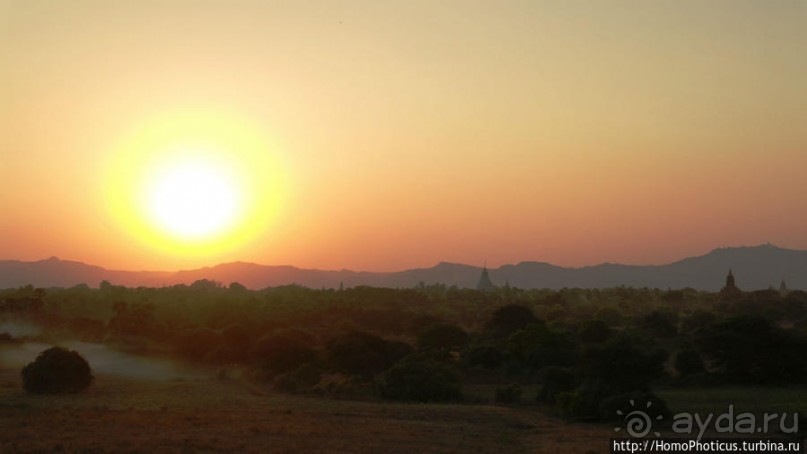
column 385, row 135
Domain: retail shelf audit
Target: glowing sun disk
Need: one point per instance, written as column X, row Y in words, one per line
column 195, row 183
column 193, row 200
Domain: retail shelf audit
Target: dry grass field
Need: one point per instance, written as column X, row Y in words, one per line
column 204, row 414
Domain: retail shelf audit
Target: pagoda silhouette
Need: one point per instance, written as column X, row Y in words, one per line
column 485, row 284
column 730, row 290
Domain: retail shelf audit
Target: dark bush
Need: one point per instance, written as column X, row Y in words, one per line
column 364, row 354
column 660, row 324
column 751, row 349
column 485, row 356
column 610, row 315
column 282, row 351
column 57, row 370
column 510, row 394
column 688, row 361
column 594, row 331
column 556, row 380
column 568, row 404
column 443, row 337
column 197, row 343
column 698, row 320
column 397, row 350
column 237, row 287
column 136, row 320
column 508, row 319
column 538, row 346
column 302, row 379
column 420, row 379
column 621, row 365
column 236, row 344
column 237, row 337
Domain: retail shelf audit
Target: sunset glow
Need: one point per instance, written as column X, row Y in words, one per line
column 194, row 183
column 402, row 225
column 385, row 135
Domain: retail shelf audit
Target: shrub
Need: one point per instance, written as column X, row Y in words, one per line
column 752, row 349
column 334, row 385
column 698, row 320
column 660, row 324
column 610, row 315
column 510, row 394
column 443, row 337
column 364, row 355
column 508, row 319
column 57, row 370
column 302, row 379
column 196, row 343
column 420, row 379
column 485, row 356
column 622, row 364
column 688, row 362
column 237, row 337
column 235, row 346
column 568, row 403
column 537, row 346
column 556, row 380
column 282, row 352
column 594, row 331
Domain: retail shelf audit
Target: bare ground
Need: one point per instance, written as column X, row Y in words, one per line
column 119, row 414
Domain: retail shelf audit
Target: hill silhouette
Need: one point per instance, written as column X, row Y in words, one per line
column 756, row 267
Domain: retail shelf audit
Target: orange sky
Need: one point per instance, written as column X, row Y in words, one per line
column 385, row 135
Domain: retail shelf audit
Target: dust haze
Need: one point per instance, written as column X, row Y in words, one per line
column 103, row 360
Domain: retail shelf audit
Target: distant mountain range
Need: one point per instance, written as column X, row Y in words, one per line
column 755, row 268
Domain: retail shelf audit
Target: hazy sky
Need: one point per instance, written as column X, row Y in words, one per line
column 400, row 134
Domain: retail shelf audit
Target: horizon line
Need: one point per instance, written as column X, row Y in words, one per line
column 56, row 258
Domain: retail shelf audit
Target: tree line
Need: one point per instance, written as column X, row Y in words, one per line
column 589, row 350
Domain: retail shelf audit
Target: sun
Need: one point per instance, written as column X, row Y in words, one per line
column 196, row 184
column 193, row 200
